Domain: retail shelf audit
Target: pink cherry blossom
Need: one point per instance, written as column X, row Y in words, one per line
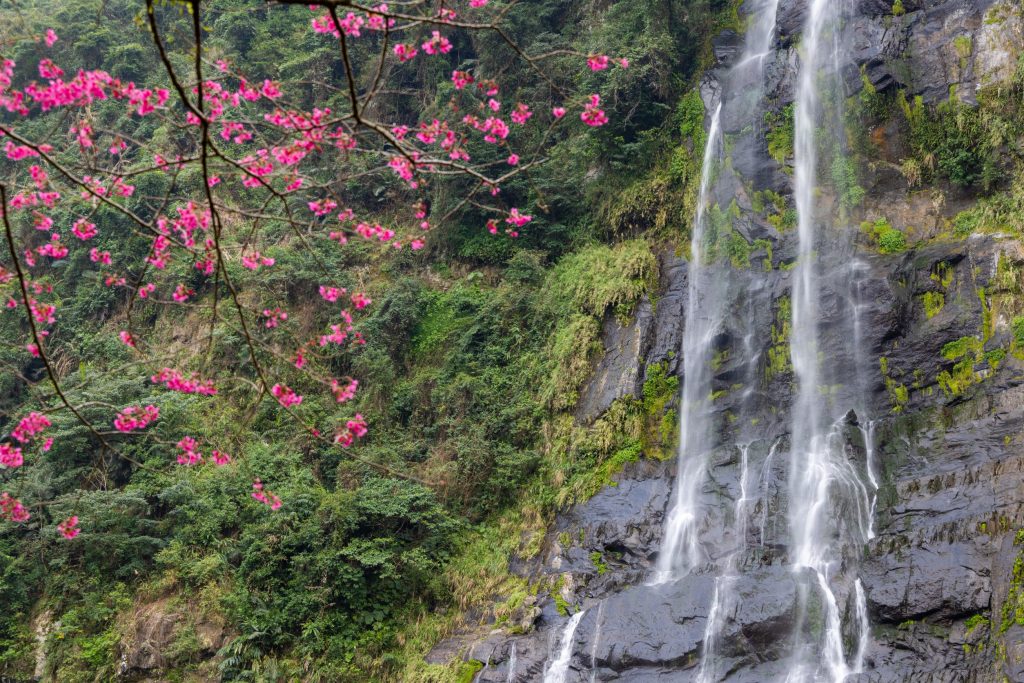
column 285, row 396
column 592, row 115
column 437, row 44
column 354, row 429
column 461, row 79
column 134, row 418
column 175, row 381
column 12, row 508
column 266, row 497
column 405, row 52
column 517, row 219
column 29, row 426
column 189, row 454
column 10, row 456
column 343, row 393
column 69, row 527
column 521, row 114
column 83, row 229
column 360, row 300
column 331, row 293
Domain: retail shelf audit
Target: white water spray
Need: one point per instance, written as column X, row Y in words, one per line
column 821, row 474
column 724, row 600
column 558, row 670
column 512, row 665
column 864, row 626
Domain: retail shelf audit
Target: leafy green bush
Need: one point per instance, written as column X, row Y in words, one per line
column 892, row 242
column 781, row 133
column 889, row 239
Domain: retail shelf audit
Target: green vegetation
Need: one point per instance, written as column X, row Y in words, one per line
column 779, row 361
column 897, row 8
column 660, row 433
column 599, row 277
column 888, row 239
column 942, row 274
column 954, row 139
column 1013, row 607
column 781, row 133
column 964, row 46
column 899, row 395
column 967, row 353
column 933, row 303
column 844, row 179
column 1017, row 327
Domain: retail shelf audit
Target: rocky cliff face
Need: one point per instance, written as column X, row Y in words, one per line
column 942, row 417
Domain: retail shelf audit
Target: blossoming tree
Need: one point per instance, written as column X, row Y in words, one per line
column 245, row 162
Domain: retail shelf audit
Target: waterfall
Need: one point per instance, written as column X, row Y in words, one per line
column 512, row 664
column 707, row 306
column 723, row 601
column 766, row 479
column 822, row 478
column 869, row 450
column 864, row 626
column 597, row 642
column 481, row 672
column 681, row 545
column 558, row 670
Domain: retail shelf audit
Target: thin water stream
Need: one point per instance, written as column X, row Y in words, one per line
column 558, row 669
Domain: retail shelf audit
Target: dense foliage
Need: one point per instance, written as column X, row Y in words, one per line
column 475, row 349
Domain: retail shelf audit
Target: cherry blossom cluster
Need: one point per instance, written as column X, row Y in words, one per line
column 175, row 381
column 268, row 498
column 190, row 454
column 12, row 508
column 69, row 527
column 354, row 429
column 135, row 418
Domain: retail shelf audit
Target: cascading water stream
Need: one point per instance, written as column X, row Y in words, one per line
column 723, row 601
column 864, row 626
column 821, row 474
column 707, row 306
column 680, row 551
column 597, row 643
column 558, row 670
column 766, row 473
column 511, row 664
